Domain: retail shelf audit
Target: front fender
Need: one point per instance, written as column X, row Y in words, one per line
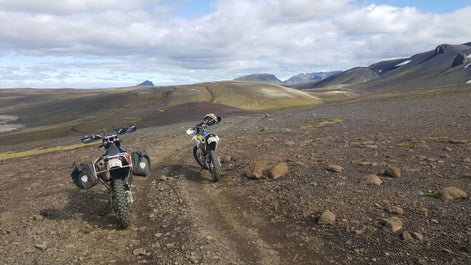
column 212, row 142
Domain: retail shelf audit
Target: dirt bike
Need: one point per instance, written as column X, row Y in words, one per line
column 204, row 150
column 114, row 169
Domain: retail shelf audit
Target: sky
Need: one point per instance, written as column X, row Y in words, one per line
column 117, row 43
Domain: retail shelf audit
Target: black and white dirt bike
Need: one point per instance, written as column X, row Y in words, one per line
column 204, row 150
column 114, row 169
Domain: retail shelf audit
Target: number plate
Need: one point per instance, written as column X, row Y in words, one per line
column 115, row 162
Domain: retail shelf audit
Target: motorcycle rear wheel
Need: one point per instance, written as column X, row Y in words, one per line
column 121, row 203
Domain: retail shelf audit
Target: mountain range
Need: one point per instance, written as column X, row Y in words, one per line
column 445, row 65
column 294, row 80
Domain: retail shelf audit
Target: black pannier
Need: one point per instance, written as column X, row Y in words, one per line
column 84, row 176
column 141, row 163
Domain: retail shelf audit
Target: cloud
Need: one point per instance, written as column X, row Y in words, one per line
column 120, row 42
column 65, row 7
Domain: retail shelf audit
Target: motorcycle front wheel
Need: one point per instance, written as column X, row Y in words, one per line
column 215, row 165
column 120, row 203
column 200, row 157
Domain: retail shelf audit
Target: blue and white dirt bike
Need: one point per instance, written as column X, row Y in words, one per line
column 204, row 151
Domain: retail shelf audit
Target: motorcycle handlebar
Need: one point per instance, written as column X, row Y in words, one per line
column 125, row 129
column 197, row 128
column 90, row 138
column 122, row 130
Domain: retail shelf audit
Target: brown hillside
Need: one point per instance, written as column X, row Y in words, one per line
column 53, row 113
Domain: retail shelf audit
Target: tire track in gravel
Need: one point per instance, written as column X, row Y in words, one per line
column 229, row 226
column 210, row 223
column 221, row 213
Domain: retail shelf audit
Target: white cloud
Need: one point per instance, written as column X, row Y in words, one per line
column 132, row 40
column 73, row 6
column 379, row 19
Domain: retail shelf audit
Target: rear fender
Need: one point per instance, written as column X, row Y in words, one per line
column 125, row 171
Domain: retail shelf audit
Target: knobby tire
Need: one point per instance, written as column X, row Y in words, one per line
column 215, row 166
column 121, row 204
column 199, row 157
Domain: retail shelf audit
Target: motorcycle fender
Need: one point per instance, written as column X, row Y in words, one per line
column 213, row 138
column 125, row 170
column 212, row 143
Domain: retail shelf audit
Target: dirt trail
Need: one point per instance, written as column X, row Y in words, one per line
column 222, row 215
column 229, row 226
column 217, row 216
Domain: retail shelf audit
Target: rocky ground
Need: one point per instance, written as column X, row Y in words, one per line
column 374, row 181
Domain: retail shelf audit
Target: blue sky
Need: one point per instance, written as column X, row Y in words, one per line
column 115, row 43
column 429, row 6
column 194, row 8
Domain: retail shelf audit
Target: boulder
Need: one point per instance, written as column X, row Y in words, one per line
column 256, row 170
column 279, row 170
column 393, row 172
column 371, row 180
column 453, row 193
column 327, row 217
column 334, row 168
